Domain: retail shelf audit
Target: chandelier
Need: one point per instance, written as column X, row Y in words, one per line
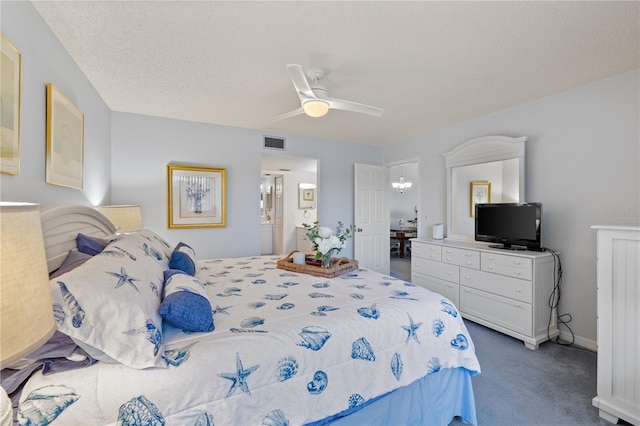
column 402, row 185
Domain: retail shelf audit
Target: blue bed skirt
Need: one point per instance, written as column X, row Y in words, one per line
column 433, row 400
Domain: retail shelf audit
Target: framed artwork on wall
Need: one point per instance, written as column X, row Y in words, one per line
column 10, row 93
column 197, row 197
column 306, row 196
column 480, row 193
column 65, row 140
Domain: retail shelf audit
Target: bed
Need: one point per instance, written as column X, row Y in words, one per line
column 274, row 348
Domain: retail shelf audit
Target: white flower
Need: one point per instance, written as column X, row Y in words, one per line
column 325, row 240
column 325, row 232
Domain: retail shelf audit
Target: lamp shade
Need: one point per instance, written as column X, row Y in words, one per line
column 26, row 316
column 126, row 218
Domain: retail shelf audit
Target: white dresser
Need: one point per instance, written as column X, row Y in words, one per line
column 618, row 323
column 505, row 290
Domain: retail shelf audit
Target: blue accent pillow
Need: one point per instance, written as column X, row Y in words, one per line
column 185, row 304
column 74, row 259
column 184, row 259
column 90, row 245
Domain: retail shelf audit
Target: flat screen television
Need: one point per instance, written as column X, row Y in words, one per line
column 509, row 225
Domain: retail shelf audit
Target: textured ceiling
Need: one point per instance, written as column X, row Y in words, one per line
column 427, row 64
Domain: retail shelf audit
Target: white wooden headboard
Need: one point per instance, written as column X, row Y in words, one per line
column 61, row 225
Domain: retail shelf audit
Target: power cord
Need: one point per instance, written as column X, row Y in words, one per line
column 554, row 301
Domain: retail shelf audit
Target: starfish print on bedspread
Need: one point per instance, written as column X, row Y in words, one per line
column 124, row 278
column 239, row 378
column 411, row 329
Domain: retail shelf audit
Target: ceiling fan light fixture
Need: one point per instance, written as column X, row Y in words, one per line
column 316, row 108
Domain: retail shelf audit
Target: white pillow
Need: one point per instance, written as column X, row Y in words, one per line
column 111, row 302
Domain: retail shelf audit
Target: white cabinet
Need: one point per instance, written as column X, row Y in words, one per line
column 503, row 290
column 618, row 280
column 303, row 243
column 266, row 238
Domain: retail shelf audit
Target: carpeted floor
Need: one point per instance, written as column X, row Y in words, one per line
column 553, row 385
column 400, row 267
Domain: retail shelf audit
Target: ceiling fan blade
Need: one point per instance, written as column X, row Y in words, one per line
column 300, row 82
column 289, row 114
column 354, row 107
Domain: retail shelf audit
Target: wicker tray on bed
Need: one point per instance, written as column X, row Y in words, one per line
column 339, row 266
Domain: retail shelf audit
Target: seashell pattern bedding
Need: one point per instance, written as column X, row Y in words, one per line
column 287, row 348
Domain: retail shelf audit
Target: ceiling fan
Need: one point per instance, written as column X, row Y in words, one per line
column 314, row 98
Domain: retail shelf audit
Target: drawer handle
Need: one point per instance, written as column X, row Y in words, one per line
column 517, row 262
column 468, row 254
column 490, row 257
column 449, row 273
column 518, row 290
column 490, row 268
column 448, row 259
column 468, row 262
column 467, row 290
column 518, row 305
column 517, row 272
column 467, row 277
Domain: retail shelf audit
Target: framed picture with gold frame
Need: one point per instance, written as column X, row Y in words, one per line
column 197, row 196
column 65, row 140
column 10, row 93
column 480, row 192
column 307, row 196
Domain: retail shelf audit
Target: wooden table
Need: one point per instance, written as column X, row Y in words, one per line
column 401, row 233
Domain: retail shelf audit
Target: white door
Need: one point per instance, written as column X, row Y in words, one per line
column 278, row 216
column 371, row 239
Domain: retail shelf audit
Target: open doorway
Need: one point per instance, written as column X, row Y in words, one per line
column 289, row 179
column 403, row 216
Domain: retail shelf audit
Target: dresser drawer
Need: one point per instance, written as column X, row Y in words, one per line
column 427, row 251
column 507, row 313
column 510, row 266
column 448, row 289
column 466, row 258
column 443, row 271
column 501, row 259
column 512, row 288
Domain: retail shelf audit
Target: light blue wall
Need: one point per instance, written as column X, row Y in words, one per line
column 44, row 60
column 142, row 146
column 583, row 164
column 583, row 161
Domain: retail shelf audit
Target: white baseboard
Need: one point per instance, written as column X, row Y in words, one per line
column 585, row 343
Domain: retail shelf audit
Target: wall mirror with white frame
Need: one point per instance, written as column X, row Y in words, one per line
column 498, row 160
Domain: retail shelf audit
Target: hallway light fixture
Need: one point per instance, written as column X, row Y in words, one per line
column 402, row 185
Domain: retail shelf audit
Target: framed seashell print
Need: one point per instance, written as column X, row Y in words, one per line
column 65, row 140
column 197, row 196
column 10, row 93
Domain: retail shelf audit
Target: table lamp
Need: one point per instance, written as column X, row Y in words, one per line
column 26, row 312
column 126, row 218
